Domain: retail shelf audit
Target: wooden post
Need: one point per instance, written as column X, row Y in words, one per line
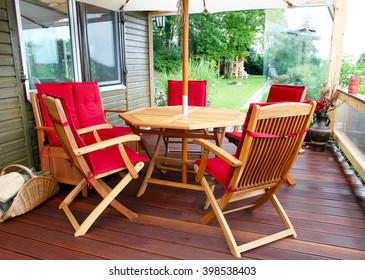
column 336, row 48
column 337, row 41
column 185, row 55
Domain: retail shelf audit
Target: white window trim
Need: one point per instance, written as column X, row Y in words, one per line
column 76, row 59
column 22, row 48
column 113, row 87
column 74, row 36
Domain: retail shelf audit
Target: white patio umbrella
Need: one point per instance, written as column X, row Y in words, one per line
column 185, row 7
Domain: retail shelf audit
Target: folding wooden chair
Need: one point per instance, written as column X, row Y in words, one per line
column 94, row 162
column 268, row 148
column 196, row 97
column 277, row 93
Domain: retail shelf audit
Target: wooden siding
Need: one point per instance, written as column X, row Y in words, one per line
column 116, row 100
column 136, row 44
column 15, row 144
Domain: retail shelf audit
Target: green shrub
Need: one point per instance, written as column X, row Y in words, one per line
column 198, row 70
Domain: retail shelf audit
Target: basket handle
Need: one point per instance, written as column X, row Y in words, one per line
column 21, row 167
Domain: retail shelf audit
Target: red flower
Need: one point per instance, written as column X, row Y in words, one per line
column 327, row 101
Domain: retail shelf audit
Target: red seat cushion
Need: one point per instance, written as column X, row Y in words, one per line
column 62, row 91
column 106, row 159
column 219, row 169
column 110, row 158
column 234, row 136
column 196, row 93
column 285, row 93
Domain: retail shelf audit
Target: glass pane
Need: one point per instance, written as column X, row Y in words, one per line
column 352, row 124
column 46, row 36
column 297, row 47
column 102, row 28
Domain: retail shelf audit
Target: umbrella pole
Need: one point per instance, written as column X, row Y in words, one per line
column 185, row 54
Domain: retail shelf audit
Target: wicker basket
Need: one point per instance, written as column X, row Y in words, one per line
column 34, row 192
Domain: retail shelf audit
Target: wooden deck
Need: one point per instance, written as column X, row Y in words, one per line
column 326, row 207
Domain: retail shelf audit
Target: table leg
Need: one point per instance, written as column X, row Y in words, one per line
column 219, row 133
column 184, row 158
column 151, row 166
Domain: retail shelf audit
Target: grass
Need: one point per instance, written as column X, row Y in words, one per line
column 234, row 96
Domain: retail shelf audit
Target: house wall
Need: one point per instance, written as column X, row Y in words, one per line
column 137, row 60
column 137, row 93
column 18, row 142
column 15, row 143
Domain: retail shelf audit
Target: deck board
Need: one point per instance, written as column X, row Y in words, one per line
column 326, row 207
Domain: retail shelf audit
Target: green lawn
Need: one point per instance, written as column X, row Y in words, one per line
column 234, row 96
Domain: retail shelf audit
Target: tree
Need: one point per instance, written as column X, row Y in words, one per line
column 225, row 35
column 215, row 37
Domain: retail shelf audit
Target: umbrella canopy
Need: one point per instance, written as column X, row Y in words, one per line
column 186, row 7
column 195, row 6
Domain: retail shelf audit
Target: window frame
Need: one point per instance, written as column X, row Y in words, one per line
column 79, row 46
column 84, row 45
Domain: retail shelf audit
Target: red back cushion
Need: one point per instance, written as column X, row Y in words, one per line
column 197, row 93
column 64, row 92
column 103, row 160
column 286, row 93
column 88, row 103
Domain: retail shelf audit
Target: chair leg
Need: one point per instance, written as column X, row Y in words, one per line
column 109, row 196
column 291, row 180
column 75, row 191
column 105, row 190
column 283, row 216
column 220, row 217
column 217, row 208
column 151, row 167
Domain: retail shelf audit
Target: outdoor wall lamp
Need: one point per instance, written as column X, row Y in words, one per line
column 160, row 22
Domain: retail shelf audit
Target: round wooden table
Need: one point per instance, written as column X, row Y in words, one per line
column 169, row 121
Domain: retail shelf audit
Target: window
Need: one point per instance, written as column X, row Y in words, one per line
column 46, row 36
column 52, row 32
column 103, row 45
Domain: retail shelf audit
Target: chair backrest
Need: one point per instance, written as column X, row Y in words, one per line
column 97, row 162
column 82, row 100
column 88, row 103
column 270, row 143
column 197, row 93
column 66, row 130
column 286, row 93
column 60, row 90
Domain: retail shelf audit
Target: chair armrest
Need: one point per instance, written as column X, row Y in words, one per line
column 93, row 128
column 113, row 142
column 113, row 111
column 107, row 143
column 44, row 128
column 219, row 152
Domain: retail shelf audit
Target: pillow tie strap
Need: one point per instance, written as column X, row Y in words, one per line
column 63, row 124
column 89, row 177
column 267, row 135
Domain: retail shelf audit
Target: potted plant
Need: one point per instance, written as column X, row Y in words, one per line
column 320, row 131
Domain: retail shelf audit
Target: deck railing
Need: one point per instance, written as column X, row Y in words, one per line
column 349, row 129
